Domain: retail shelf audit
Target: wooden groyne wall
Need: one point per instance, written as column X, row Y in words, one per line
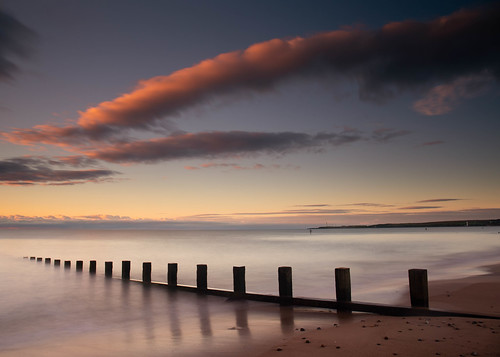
column 417, row 278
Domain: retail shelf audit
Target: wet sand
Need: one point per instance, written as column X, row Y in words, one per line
column 374, row 335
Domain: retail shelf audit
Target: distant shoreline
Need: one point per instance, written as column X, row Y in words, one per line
column 463, row 223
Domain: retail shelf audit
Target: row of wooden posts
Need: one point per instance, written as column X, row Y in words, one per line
column 419, row 295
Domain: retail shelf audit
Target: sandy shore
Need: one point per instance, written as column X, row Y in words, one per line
column 373, row 335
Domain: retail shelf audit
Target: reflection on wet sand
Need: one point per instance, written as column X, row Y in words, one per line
column 287, row 319
column 94, row 315
column 180, row 312
column 204, row 314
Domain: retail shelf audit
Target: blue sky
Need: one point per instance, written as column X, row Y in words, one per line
column 302, row 113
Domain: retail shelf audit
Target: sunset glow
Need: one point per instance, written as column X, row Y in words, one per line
column 357, row 118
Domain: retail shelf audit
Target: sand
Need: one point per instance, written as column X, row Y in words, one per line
column 375, row 335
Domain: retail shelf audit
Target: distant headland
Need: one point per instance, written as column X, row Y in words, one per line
column 464, row 223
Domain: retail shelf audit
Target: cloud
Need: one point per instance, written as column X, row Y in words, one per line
column 419, row 207
column 32, row 170
column 385, row 134
column 314, row 205
column 432, row 143
column 452, row 51
column 445, row 97
column 15, row 41
column 290, row 212
column 215, row 144
column 369, row 204
column 224, row 144
column 440, row 200
column 237, row 167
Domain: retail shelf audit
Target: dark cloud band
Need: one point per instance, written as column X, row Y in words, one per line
column 38, row 170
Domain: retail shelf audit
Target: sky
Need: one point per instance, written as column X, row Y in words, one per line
column 199, row 114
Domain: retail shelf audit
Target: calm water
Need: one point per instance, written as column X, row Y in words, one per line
column 52, row 311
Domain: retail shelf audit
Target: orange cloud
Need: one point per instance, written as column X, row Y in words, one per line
column 443, row 98
column 397, row 57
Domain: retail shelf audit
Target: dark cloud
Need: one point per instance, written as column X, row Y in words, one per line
column 238, row 167
column 293, row 212
column 218, row 144
column 432, row 143
column 316, row 205
column 397, row 57
column 38, row 170
column 215, row 144
column 419, row 207
column 386, row 134
column 440, row 200
column 15, row 41
column 369, row 204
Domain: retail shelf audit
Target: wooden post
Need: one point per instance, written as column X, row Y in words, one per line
column 201, row 277
column 67, row 264
column 126, row 269
column 79, row 265
column 146, row 272
column 108, row 269
column 93, row 267
column 47, row 260
column 57, row 262
column 419, row 290
column 38, row 259
column 285, row 285
column 172, row 274
column 343, row 284
column 343, row 287
column 32, row 258
column 239, row 285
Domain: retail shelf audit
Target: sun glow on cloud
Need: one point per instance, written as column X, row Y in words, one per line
column 382, row 61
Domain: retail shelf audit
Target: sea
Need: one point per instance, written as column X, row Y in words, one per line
column 47, row 310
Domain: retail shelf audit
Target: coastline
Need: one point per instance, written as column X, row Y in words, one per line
column 375, row 335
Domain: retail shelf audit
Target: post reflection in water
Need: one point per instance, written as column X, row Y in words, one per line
column 126, row 306
column 173, row 317
column 173, row 311
column 287, row 319
column 204, row 313
column 148, row 314
column 90, row 314
column 240, row 308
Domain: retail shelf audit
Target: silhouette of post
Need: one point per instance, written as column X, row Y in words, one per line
column 32, row 258
column 108, row 269
column 57, row 262
column 419, row 290
column 172, row 274
column 126, row 269
column 201, row 277
column 93, row 267
column 343, row 286
column 38, row 259
column 146, row 272
column 47, row 260
column 67, row 264
column 79, row 265
column 239, row 285
column 285, row 285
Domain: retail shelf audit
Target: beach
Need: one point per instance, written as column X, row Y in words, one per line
column 375, row 335
column 51, row 311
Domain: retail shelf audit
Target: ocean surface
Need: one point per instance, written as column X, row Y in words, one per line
column 51, row 311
